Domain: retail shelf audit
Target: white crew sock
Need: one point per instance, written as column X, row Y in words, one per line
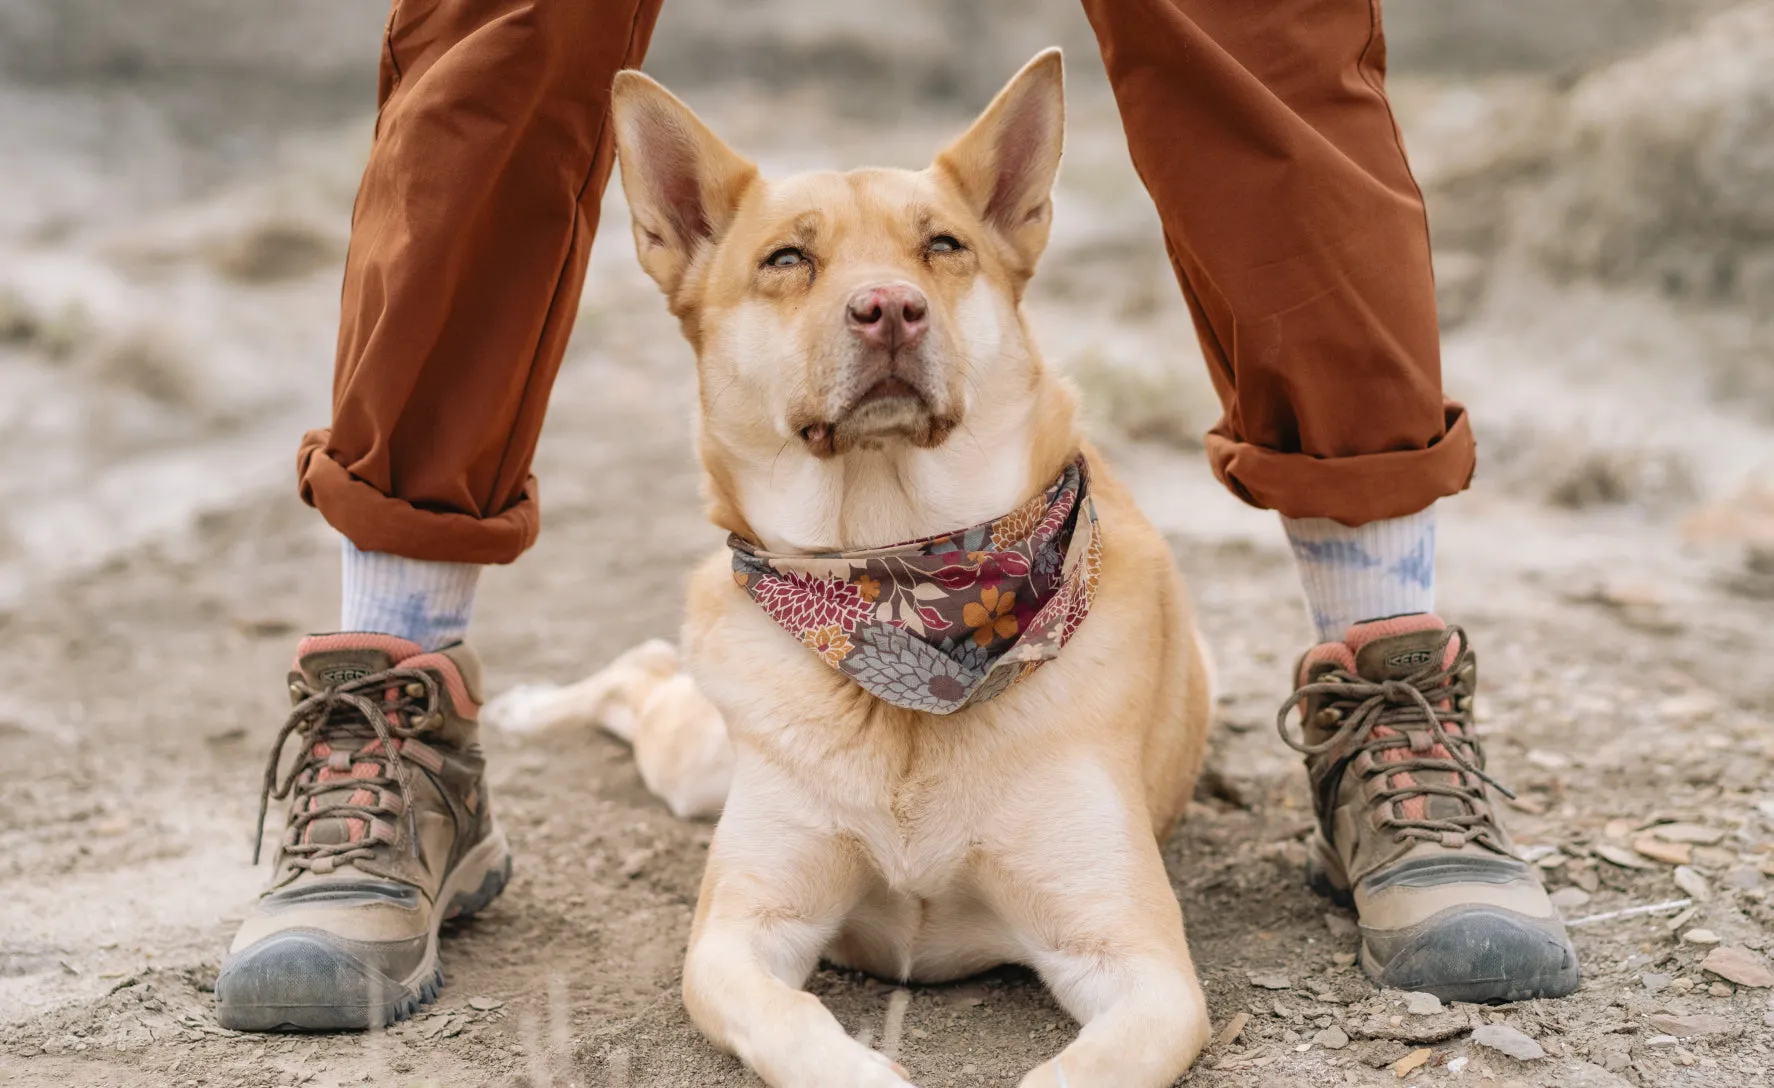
column 415, row 599
column 1384, row 568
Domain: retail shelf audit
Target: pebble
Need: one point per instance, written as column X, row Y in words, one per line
column 1416, row 1059
column 1233, row 1029
column 1619, row 855
column 1569, row 898
column 1456, row 1066
column 1687, row 1027
column 1738, row 965
column 1507, row 1040
column 1655, row 982
column 1331, row 1038
column 485, row 1004
column 1693, row 883
column 1698, row 834
column 1420, row 1004
column 1271, row 980
column 1340, row 927
column 1700, row 936
column 1720, row 989
column 1670, row 853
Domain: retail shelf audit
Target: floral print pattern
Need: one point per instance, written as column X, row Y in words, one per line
column 938, row 624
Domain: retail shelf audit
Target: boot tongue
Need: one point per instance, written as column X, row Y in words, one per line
column 1395, row 648
column 329, row 660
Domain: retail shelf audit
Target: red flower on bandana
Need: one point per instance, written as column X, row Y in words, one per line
column 803, row 602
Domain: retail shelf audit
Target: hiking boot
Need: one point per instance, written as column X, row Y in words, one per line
column 389, row 835
column 1406, row 831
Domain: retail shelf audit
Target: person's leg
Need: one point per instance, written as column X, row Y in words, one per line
column 468, row 249
column 1298, row 235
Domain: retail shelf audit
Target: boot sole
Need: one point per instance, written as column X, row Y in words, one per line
column 302, row 981
column 1480, row 955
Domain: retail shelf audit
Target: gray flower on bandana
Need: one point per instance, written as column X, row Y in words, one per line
column 907, row 671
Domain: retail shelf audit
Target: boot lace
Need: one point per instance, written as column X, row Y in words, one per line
column 394, row 706
column 1427, row 713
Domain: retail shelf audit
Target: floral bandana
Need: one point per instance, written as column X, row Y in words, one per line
column 943, row 623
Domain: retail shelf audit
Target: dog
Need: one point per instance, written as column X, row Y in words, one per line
column 866, row 379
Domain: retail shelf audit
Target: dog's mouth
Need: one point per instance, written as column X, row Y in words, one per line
column 890, row 408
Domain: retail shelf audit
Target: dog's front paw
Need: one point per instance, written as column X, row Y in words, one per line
column 1047, row 1075
column 527, row 708
column 880, row 1071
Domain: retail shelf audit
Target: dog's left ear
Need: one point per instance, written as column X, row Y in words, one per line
column 682, row 182
column 1005, row 165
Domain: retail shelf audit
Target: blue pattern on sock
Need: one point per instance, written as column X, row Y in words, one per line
column 1417, row 568
column 1337, row 553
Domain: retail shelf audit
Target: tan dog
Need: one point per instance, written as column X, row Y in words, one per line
column 867, row 378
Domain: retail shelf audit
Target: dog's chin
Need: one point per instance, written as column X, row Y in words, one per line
column 880, row 422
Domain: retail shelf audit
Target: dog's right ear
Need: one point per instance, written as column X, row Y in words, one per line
column 683, row 183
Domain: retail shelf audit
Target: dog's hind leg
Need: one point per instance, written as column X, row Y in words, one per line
column 680, row 742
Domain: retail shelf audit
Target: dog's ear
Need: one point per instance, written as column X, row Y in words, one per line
column 1004, row 166
column 683, row 183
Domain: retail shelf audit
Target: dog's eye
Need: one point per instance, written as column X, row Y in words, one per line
column 786, row 257
column 945, row 243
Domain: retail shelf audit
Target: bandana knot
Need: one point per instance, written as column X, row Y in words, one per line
column 948, row 621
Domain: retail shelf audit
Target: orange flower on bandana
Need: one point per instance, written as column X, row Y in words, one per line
column 829, row 642
column 990, row 616
column 870, row 588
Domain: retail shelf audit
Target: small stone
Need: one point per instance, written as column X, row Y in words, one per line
column 1682, row 985
column 1619, row 855
column 1688, row 1027
column 1738, row 965
column 1421, row 1004
column 1670, row 853
column 1618, row 828
column 1693, row 883
column 1570, row 898
column 1661, row 1040
column 1744, row 878
column 1714, row 857
column 1654, row 982
column 1681, row 920
column 1341, row 928
column 1507, row 1040
column 1700, row 936
column 1456, row 1066
column 1331, row 1038
column 1698, row 834
column 485, row 1004
column 1343, row 959
column 1720, row 989
column 1271, row 980
column 1233, row 1029
column 1416, row 1059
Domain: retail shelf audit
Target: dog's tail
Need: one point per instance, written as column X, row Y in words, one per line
column 644, row 697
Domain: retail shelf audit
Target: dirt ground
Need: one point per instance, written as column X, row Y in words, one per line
column 1628, row 698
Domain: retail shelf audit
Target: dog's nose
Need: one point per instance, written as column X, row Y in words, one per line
column 890, row 316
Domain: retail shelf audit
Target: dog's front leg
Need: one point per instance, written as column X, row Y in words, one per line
column 761, row 925
column 1086, row 892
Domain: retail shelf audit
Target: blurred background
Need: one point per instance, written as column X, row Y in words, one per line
column 176, row 185
column 176, row 181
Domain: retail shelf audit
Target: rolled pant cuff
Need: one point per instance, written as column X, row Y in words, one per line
column 376, row 522
column 1350, row 490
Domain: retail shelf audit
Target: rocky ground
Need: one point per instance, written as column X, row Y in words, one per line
column 1614, row 564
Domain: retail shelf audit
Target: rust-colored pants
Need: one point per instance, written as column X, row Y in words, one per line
column 1261, row 130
